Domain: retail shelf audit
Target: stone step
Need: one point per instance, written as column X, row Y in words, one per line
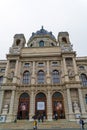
column 25, row 124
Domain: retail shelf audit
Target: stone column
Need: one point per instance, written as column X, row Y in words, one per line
column 83, row 111
column 49, row 106
column 69, row 104
column 32, row 105
column 10, row 116
column 33, row 74
column 1, row 100
column 6, row 72
column 16, row 72
column 12, row 102
column 75, row 70
column 65, row 70
column 19, row 72
column 48, row 73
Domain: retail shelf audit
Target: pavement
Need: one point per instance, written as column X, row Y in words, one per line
column 48, row 129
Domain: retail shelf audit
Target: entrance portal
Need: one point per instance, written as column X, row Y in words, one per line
column 58, row 106
column 40, row 105
column 23, row 108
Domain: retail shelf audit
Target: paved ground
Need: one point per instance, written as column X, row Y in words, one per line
column 26, row 125
column 49, row 129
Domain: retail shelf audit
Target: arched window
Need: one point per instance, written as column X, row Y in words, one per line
column 1, row 79
column 24, row 95
column 41, row 76
column 41, row 43
column 40, row 95
column 55, row 76
column 86, row 98
column 18, row 42
column 81, row 67
column 26, row 77
column 64, row 39
column 57, row 95
column 83, row 78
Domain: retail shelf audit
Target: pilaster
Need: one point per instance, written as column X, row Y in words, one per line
column 75, row 70
column 32, row 105
column 6, row 72
column 49, row 106
column 33, row 74
column 16, row 73
column 10, row 114
column 83, row 111
column 71, row 114
column 48, row 73
column 1, row 100
column 65, row 71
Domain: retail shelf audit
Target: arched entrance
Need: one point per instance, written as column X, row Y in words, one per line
column 58, row 105
column 40, row 104
column 23, row 107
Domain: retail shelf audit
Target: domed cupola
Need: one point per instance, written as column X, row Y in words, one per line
column 40, row 36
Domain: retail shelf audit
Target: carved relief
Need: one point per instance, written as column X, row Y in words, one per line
column 76, row 107
column 71, row 73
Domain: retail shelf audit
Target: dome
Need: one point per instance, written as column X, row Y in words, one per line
column 42, row 32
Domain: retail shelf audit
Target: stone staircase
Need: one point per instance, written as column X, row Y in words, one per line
column 25, row 124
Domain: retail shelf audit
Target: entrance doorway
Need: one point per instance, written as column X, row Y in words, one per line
column 40, row 105
column 58, row 106
column 23, row 107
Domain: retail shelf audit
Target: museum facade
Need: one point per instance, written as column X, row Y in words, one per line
column 43, row 76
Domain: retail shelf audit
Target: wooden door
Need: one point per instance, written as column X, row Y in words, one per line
column 58, row 105
column 23, row 108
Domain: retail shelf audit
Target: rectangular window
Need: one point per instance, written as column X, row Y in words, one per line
column 26, row 64
column 41, row 64
column 54, row 63
column 2, row 70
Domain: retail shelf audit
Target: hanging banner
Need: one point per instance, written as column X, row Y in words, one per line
column 59, row 106
column 40, row 105
column 2, row 118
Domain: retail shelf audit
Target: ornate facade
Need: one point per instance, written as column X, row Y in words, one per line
column 44, row 77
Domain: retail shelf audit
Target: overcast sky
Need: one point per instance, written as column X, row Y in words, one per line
column 27, row 16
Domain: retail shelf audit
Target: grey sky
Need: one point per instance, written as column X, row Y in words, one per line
column 27, row 16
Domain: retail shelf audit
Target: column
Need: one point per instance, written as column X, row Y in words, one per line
column 10, row 116
column 49, row 106
column 6, row 72
column 69, row 105
column 1, row 100
column 33, row 71
column 65, row 70
column 19, row 73
column 12, row 102
column 69, row 101
column 16, row 72
column 48, row 73
column 32, row 105
column 83, row 111
column 33, row 74
column 75, row 70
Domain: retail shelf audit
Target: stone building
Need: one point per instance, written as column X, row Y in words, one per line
column 43, row 77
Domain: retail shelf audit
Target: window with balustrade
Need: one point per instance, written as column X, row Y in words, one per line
column 41, row 76
column 1, row 79
column 55, row 76
column 83, row 78
column 26, row 77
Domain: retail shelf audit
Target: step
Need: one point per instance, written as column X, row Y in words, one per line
column 25, row 124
